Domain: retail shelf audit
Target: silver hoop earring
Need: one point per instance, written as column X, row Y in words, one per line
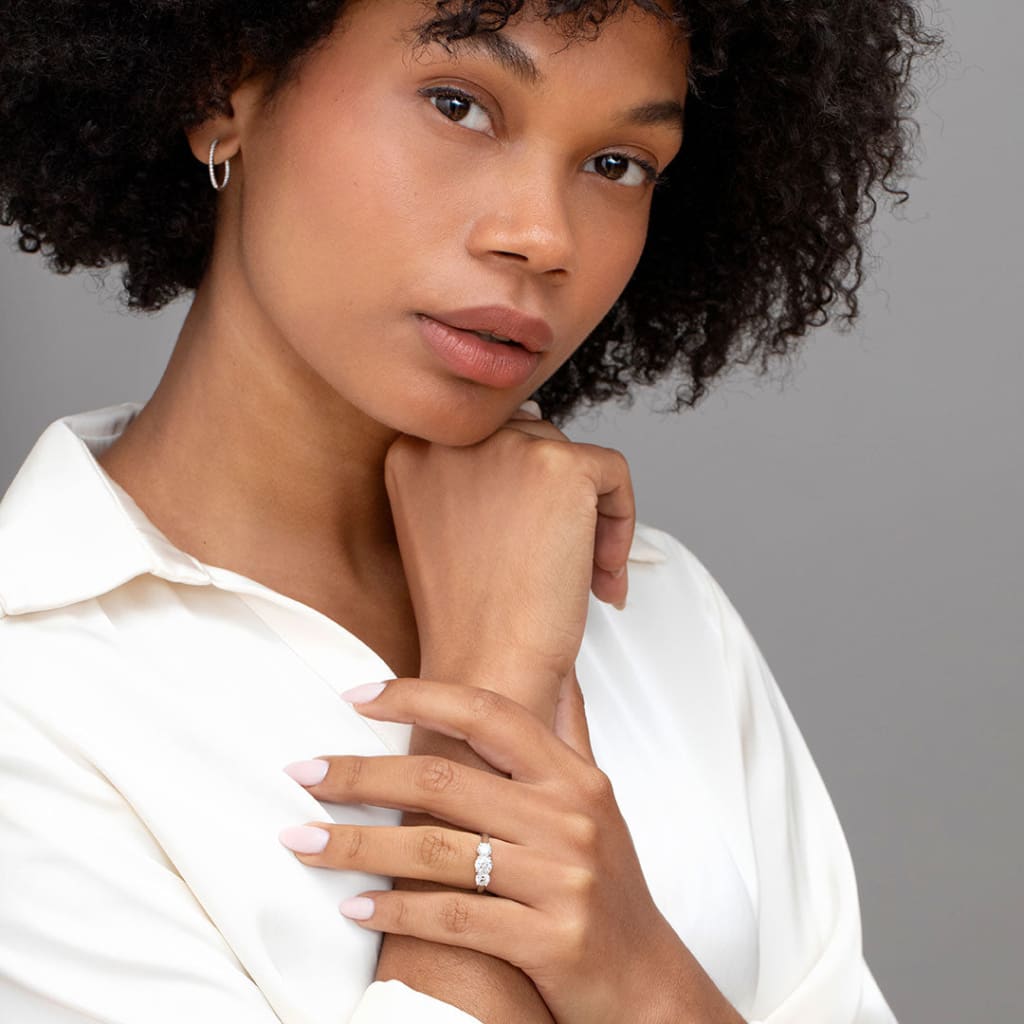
column 227, row 169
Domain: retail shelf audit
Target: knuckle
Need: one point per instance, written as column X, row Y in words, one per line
column 401, row 459
column 582, row 830
column 434, row 849
column 596, row 787
column 437, row 775
column 486, row 704
column 350, row 771
column 551, row 459
column 604, row 453
column 413, row 686
column 398, row 909
column 570, row 942
column 622, row 463
column 352, row 844
column 455, row 916
column 393, row 458
column 578, row 883
column 403, row 446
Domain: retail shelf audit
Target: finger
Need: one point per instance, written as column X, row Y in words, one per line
column 528, row 410
column 616, row 518
column 612, row 537
column 465, row 797
column 503, row 732
column 571, row 718
column 528, row 419
column 498, row 927
column 616, row 521
column 426, row 852
column 537, row 428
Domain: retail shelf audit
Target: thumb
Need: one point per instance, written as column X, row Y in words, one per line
column 571, row 717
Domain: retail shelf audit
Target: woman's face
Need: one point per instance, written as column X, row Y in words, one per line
column 392, row 182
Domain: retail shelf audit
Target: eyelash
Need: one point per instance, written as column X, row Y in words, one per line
column 449, row 92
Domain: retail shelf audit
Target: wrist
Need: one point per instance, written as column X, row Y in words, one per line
column 680, row 991
column 534, row 686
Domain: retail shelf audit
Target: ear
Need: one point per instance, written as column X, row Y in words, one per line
column 231, row 127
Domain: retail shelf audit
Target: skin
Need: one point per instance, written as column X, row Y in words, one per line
column 353, row 204
column 271, row 416
column 571, row 908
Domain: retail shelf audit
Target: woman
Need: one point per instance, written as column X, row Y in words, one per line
column 417, row 216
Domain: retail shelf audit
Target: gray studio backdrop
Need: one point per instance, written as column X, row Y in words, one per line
column 864, row 512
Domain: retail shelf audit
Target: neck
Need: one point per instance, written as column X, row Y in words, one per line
column 247, row 461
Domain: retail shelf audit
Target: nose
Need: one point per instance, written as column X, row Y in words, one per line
column 523, row 218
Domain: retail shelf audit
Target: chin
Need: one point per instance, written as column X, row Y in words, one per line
column 456, row 425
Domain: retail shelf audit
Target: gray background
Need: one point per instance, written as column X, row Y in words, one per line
column 864, row 513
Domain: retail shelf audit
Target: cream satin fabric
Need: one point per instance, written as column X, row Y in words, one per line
column 148, row 703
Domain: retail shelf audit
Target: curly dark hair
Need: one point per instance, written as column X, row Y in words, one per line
column 797, row 112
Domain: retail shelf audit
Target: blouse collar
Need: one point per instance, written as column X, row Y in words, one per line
column 69, row 532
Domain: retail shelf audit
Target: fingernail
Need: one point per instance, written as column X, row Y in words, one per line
column 307, row 773
column 532, row 408
column 359, row 908
column 621, row 606
column 364, row 693
column 304, row 838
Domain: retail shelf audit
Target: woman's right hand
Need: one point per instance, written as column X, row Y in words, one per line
column 502, row 542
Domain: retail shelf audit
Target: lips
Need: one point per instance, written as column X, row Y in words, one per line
column 533, row 333
column 470, row 355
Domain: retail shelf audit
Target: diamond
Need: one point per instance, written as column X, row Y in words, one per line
column 484, row 849
column 483, row 879
column 482, row 864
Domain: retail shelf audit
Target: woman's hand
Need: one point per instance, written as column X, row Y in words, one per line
column 501, row 542
column 567, row 902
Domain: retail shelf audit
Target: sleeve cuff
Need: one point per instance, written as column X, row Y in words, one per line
column 390, row 1002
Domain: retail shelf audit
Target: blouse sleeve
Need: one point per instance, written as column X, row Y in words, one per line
column 97, row 926
column 812, row 966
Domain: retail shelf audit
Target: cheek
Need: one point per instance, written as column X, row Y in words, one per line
column 346, row 219
column 332, row 215
column 610, row 249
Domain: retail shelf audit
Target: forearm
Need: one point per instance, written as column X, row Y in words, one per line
column 684, row 995
column 488, row 988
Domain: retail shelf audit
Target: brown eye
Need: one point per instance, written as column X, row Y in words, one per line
column 630, row 170
column 458, row 107
column 453, row 107
column 614, row 164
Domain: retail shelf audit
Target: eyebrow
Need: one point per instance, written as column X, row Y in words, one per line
column 514, row 59
column 659, row 112
column 510, row 55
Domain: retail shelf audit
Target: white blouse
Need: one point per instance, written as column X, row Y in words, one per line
column 149, row 702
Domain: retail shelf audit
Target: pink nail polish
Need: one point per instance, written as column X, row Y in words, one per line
column 307, row 773
column 363, row 694
column 358, row 908
column 304, row 838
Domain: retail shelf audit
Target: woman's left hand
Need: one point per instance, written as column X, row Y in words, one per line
column 567, row 902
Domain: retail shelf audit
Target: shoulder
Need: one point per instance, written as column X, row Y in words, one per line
column 683, row 575
column 680, row 622
column 671, row 629
column 668, row 579
column 45, row 643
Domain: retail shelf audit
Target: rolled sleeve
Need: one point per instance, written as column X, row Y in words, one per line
column 811, row 964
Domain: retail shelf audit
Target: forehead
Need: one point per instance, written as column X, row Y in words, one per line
column 633, row 60
column 532, row 47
